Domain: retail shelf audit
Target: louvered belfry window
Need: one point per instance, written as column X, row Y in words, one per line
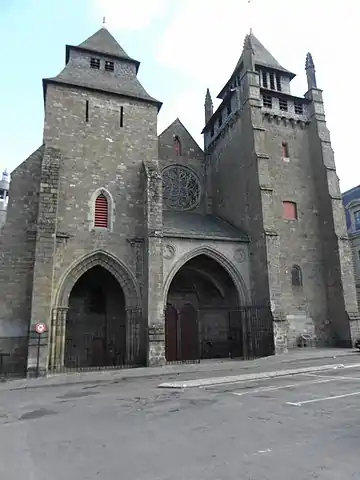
column 101, row 212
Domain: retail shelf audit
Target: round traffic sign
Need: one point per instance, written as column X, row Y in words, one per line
column 40, row 328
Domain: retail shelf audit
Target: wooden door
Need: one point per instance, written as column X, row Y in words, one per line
column 171, row 335
column 189, row 333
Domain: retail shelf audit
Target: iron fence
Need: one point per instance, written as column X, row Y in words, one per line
column 226, row 332
column 13, row 356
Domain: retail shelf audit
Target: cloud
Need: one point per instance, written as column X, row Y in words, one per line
column 189, row 43
column 131, row 15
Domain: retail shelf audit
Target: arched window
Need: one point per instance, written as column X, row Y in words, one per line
column 177, row 146
column 101, row 219
column 296, row 276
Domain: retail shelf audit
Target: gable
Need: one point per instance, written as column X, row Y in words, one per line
column 169, row 139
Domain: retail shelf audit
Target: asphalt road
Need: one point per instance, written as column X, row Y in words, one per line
column 290, row 428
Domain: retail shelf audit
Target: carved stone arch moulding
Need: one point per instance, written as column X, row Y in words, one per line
column 223, row 261
column 169, row 251
column 113, row 265
column 240, row 255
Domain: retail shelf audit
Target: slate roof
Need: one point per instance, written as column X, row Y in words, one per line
column 102, row 43
column 197, row 225
column 262, row 57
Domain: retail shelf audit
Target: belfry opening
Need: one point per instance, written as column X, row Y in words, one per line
column 202, row 313
column 95, row 331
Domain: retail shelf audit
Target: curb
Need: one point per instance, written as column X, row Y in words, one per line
column 206, row 382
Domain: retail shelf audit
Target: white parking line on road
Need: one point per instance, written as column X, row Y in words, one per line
column 314, row 400
column 328, row 376
column 293, row 385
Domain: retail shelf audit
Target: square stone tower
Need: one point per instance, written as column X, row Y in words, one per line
column 272, row 172
column 79, row 195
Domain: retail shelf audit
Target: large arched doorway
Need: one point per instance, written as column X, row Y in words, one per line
column 95, row 330
column 202, row 315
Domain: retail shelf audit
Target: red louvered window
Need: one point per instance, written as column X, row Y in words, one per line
column 289, row 211
column 101, row 212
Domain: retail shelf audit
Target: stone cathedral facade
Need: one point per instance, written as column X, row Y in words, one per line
column 139, row 249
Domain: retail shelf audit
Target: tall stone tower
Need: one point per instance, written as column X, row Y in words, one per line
column 79, row 195
column 272, row 171
column 4, row 196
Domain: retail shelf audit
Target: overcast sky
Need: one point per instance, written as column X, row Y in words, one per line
column 184, row 47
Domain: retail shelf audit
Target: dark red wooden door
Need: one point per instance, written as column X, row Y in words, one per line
column 189, row 333
column 171, row 337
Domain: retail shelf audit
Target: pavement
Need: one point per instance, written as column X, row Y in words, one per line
column 296, row 359
column 299, row 426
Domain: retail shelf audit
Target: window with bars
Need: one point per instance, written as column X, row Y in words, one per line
column 289, row 211
column 264, row 79
column 272, row 81
column 101, row 219
column 299, row 108
column 95, row 62
column 278, row 82
column 109, row 66
column 267, row 101
column 283, row 105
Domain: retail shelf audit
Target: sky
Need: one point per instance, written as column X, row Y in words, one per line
column 184, row 46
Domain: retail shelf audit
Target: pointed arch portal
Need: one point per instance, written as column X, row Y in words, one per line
column 202, row 313
column 96, row 322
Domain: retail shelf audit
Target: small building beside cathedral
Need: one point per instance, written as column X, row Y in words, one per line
column 139, row 249
column 351, row 199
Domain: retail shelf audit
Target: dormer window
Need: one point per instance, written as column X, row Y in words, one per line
column 278, row 83
column 95, row 63
column 109, row 66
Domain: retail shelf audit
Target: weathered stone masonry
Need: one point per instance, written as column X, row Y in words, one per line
column 182, row 228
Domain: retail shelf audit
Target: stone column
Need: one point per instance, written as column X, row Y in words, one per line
column 133, row 337
column 154, row 265
column 57, row 338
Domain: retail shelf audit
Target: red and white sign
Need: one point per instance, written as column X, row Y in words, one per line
column 40, row 328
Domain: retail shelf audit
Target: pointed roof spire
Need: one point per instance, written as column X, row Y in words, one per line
column 309, row 63
column 310, row 71
column 248, row 43
column 208, row 98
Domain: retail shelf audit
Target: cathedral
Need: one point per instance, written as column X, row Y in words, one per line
column 133, row 248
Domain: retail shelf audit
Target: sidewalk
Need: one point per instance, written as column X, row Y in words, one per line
column 301, row 358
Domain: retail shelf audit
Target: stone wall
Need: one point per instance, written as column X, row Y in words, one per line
column 17, row 247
